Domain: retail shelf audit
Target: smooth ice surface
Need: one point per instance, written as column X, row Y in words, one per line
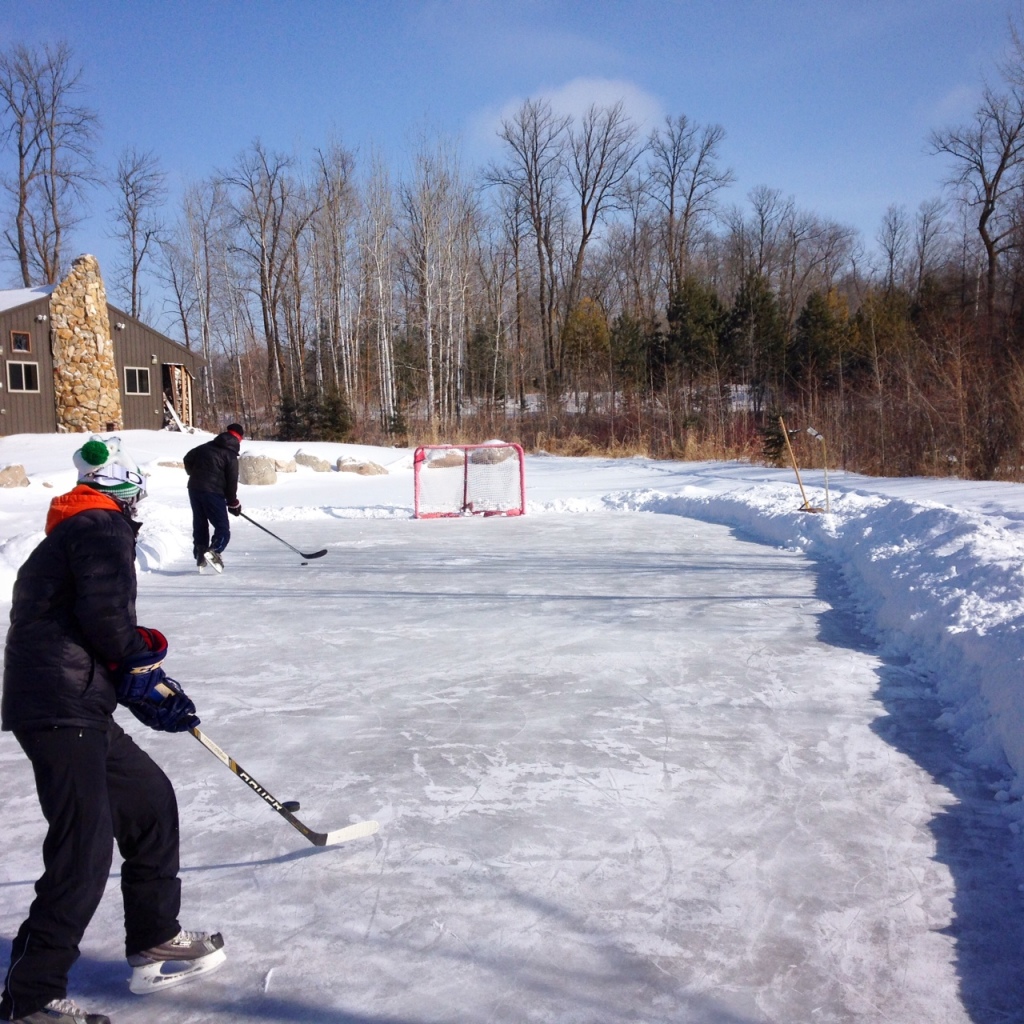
column 665, row 749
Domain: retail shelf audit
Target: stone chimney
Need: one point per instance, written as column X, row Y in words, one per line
column 85, row 382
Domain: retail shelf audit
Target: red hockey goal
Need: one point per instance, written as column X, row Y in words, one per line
column 469, row 479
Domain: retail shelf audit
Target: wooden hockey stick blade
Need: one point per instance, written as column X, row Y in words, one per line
column 313, row 554
column 341, row 835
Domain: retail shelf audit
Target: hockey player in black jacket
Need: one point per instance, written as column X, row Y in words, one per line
column 213, row 492
column 74, row 651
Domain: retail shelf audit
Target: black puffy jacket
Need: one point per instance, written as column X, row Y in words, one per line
column 213, row 467
column 72, row 617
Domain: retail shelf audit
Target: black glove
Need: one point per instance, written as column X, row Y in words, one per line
column 169, row 711
column 235, row 507
column 141, row 673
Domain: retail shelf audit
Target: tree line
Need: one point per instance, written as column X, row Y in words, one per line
column 591, row 290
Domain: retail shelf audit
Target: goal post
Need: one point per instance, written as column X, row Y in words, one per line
column 469, row 479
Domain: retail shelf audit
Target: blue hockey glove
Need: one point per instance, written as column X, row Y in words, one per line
column 141, row 673
column 167, row 709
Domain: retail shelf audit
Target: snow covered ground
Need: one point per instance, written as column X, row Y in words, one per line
column 666, row 749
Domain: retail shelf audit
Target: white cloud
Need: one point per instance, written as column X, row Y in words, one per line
column 576, row 96
column 573, row 99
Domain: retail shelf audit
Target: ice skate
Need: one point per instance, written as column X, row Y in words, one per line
column 62, row 1011
column 186, row 956
column 213, row 558
column 201, row 563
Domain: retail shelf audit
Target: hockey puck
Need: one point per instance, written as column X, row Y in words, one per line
column 291, row 806
column 305, row 563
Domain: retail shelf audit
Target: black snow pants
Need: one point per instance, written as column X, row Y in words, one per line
column 209, row 510
column 94, row 788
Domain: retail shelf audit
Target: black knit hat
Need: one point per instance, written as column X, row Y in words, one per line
column 236, row 428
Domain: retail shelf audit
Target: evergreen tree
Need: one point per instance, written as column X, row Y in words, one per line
column 696, row 318
column 630, row 345
column 756, row 337
column 819, row 342
column 317, row 416
column 773, row 441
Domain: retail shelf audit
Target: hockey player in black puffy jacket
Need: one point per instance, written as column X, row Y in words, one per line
column 213, row 492
column 74, row 652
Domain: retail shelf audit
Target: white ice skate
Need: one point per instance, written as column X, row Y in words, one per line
column 63, row 1011
column 186, row 956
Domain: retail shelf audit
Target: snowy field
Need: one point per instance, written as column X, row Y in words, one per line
column 665, row 750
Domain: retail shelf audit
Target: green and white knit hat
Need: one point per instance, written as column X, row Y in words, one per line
column 104, row 465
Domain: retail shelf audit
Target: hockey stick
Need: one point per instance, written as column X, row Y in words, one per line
column 341, row 835
column 305, row 554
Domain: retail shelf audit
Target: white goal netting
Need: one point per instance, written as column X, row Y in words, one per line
column 458, row 480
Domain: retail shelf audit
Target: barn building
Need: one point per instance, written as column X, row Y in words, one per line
column 69, row 361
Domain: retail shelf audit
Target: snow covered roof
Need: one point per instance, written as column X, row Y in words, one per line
column 11, row 298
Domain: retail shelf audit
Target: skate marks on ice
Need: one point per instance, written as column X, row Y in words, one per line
column 633, row 777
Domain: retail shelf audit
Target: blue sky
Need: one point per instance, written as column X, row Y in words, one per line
column 829, row 101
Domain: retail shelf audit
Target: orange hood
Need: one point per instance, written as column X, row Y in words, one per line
column 81, row 499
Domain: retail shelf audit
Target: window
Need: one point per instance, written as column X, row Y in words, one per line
column 23, row 376
column 136, row 380
column 21, row 341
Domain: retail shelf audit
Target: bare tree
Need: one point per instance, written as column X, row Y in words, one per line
column 685, row 177
column 894, row 239
column 333, row 229
column 756, row 244
column 602, row 152
column 633, row 259
column 536, row 138
column 378, row 262
column 140, row 190
column 192, row 261
column 930, row 231
column 987, row 158
column 813, row 252
column 270, row 211
column 52, row 138
column 438, row 218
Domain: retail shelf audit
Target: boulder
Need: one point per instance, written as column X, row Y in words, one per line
column 13, row 476
column 456, row 457
column 362, row 468
column 490, row 455
column 313, row 462
column 256, row 469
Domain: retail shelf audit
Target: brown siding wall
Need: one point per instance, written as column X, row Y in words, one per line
column 135, row 345
column 27, row 412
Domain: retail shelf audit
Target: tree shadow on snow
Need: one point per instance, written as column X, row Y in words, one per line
column 972, row 837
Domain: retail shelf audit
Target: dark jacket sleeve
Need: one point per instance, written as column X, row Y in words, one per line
column 72, row 621
column 231, row 479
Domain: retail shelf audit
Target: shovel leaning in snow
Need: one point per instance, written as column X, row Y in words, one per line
column 806, row 506
column 305, row 554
